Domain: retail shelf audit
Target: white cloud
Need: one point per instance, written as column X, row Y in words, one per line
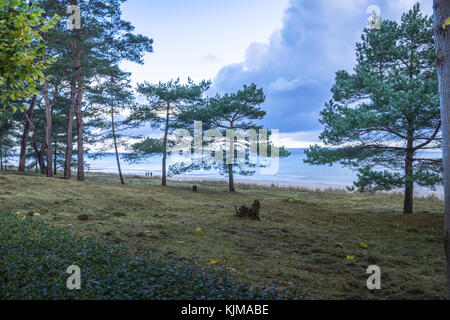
column 404, row 5
column 303, row 139
column 282, row 84
column 211, row 58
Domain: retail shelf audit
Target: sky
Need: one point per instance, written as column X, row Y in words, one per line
column 291, row 48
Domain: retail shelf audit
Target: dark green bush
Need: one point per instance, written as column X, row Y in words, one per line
column 34, row 258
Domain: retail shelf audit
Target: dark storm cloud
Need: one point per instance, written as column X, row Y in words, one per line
column 297, row 67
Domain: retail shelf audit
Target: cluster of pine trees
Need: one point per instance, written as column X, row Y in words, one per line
column 66, row 81
column 75, row 70
column 77, row 95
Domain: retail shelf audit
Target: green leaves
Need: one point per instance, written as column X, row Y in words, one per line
column 231, row 112
column 145, row 148
column 21, row 46
column 173, row 97
column 371, row 180
column 388, row 103
column 35, row 257
column 166, row 108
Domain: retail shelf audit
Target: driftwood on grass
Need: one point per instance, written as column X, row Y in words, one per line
column 252, row 212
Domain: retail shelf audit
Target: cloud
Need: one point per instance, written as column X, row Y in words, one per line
column 405, row 5
column 297, row 66
column 302, row 139
column 282, row 84
column 210, row 58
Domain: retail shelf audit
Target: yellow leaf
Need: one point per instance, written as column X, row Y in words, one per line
column 446, row 23
column 212, row 261
column 362, row 245
column 199, row 229
column 350, row 258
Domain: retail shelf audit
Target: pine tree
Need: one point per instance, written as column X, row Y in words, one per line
column 168, row 100
column 110, row 99
column 230, row 116
column 386, row 114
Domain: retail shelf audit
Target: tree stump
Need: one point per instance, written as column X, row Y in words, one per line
column 252, row 212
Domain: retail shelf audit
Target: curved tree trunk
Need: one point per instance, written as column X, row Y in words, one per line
column 26, row 132
column 442, row 39
column 113, row 126
column 40, row 158
column 39, row 154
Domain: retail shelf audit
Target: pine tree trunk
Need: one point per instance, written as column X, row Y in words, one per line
column 164, row 161
column 55, row 150
column 409, row 183
column 76, row 97
column 78, row 109
column 48, row 129
column 40, row 158
column 230, row 161
column 69, row 132
column 26, row 132
column 38, row 151
column 231, row 179
column 113, row 125
column 80, row 144
column 442, row 39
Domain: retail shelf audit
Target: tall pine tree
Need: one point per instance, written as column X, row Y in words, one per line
column 231, row 116
column 166, row 101
column 386, row 114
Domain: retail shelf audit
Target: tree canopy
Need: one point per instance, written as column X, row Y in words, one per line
column 21, row 48
column 385, row 116
column 226, row 122
column 166, row 101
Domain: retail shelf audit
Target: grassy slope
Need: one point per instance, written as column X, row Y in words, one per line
column 295, row 243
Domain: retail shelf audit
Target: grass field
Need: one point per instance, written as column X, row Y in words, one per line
column 311, row 241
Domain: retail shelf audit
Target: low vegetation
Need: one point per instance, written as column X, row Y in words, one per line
column 308, row 244
column 35, row 257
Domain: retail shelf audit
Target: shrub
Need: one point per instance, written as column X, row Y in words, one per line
column 34, row 258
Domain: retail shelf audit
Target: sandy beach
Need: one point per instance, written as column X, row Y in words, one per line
column 418, row 193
